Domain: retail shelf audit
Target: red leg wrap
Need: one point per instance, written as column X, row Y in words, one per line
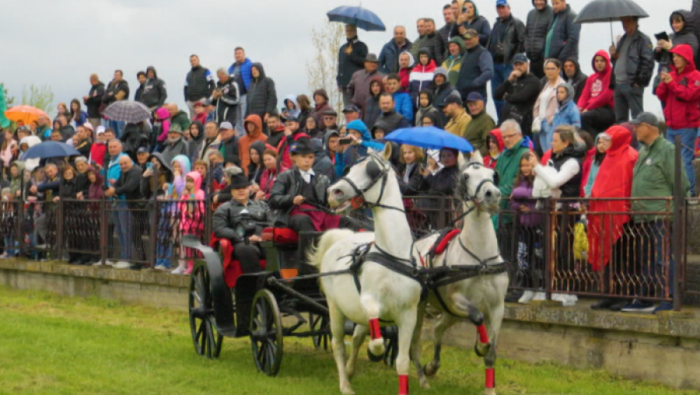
column 483, row 335
column 374, row 331
column 403, row 385
column 490, row 378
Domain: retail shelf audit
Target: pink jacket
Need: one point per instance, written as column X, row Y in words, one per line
column 163, row 116
column 192, row 208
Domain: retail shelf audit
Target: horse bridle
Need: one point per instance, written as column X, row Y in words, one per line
column 473, row 198
column 377, row 172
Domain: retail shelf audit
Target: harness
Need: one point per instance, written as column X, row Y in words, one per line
column 429, row 278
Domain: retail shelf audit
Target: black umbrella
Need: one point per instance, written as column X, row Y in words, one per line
column 610, row 11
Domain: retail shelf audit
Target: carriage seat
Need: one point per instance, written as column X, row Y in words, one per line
column 283, row 236
column 232, row 268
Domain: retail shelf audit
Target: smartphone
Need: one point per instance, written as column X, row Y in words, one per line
column 345, row 141
column 662, row 36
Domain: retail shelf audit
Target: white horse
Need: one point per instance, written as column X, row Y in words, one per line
column 475, row 246
column 384, row 293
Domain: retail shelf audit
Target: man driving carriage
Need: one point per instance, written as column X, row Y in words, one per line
column 240, row 218
column 301, row 196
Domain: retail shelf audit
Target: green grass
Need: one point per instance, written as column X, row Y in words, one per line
column 57, row 345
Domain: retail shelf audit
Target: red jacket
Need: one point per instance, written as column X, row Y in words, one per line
column 597, row 93
column 97, row 153
column 405, row 74
column 614, row 180
column 682, row 94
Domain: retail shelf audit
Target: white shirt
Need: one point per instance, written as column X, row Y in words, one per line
column 306, row 175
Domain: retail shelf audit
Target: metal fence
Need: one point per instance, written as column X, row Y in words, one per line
column 568, row 247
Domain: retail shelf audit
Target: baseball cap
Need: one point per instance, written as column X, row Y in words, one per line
column 199, row 103
column 88, row 125
column 225, row 125
column 470, row 33
column 502, row 3
column 351, row 108
column 646, row 117
column 330, row 113
column 520, row 58
column 100, row 129
column 475, row 96
column 142, row 150
column 452, row 99
column 291, row 118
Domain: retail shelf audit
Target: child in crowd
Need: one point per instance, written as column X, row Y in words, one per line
column 201, row 167
column 530, row 244
column 567, row 113
column 192, row 218
column 496, row 146
column 181, row 166
column 425, row 106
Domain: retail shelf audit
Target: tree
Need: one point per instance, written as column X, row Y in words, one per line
column 9, row 100
column 40, row 97
column 323, row 68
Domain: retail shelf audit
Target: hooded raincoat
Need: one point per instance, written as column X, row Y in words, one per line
column 614, row 180
column 682, row 94
column 246, row 141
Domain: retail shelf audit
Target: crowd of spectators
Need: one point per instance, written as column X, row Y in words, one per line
column 558, row 133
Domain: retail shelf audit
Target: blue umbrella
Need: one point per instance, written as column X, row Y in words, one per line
column 50, row 149
column 429, row 137
column 358, row 16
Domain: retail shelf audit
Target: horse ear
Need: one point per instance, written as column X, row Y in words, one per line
column 476, row 157
column 386, row 154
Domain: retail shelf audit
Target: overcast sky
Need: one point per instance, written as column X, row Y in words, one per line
column 60, row 43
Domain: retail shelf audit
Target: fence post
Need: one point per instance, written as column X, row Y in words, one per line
column 153, row 228
column 59, row 228
column 549, row 256
column 208, row 207
column 103, row 230
column 678, row 208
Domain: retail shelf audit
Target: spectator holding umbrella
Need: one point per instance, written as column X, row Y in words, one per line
column 680, row 90
column 633, row 65
column 117, row 90
column 351, row 58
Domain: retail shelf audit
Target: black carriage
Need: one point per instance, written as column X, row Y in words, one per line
column 264, row 306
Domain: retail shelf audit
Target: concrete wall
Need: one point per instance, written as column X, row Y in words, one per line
column 664, row 348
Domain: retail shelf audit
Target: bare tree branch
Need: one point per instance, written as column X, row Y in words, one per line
column 323, row 67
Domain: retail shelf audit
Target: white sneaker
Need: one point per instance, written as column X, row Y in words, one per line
column 161, row 268
column 109, row 263
column 122, row 265
column 4, row 255
column 540, row 296
column 527, row 297
column 180, row 270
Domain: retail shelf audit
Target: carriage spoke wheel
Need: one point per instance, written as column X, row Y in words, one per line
column 266, row 334
column 320, row 323
column 206, row 338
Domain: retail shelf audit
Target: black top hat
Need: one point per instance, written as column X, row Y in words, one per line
column 301, row 147
column 237, row 178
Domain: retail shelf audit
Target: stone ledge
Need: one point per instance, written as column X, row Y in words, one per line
column 146, row 276
column 678, row 324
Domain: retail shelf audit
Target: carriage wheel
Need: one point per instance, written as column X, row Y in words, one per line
column 266, row 334
column 206, row 338
column 320, row 323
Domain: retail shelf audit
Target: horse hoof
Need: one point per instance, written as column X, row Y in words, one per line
column 347, row 389
column 431, row 368
column 481, row 349
column 376, row 347
column 424, row 383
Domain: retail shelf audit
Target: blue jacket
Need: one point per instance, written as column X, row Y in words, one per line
column 355, row 152
column 114, row 171
column 403, row 105
column 389, row 57
column 567, row 113
column 245, row 72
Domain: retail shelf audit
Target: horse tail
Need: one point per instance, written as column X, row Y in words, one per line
column 316, row 254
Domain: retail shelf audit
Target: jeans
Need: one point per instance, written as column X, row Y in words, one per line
column 545, row 136
column 117, row 126
column 628, row 98
column 240, row 114
column 652, row 253
column 501, row 72
column 122, row 224
column 688, row 137
column 163, row 252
